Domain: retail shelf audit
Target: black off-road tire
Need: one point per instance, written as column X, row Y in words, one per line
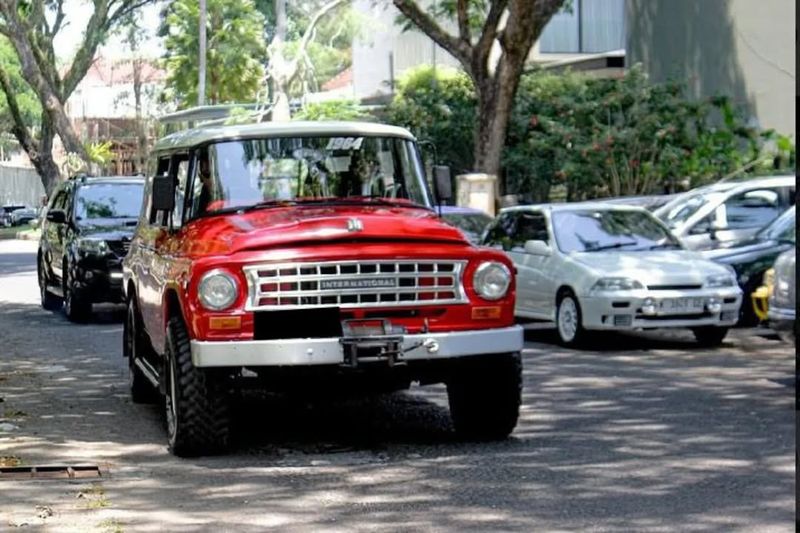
column 710, row 336
column 76, row 308
column 197, row 406
column 485, row 393
column 134, row 346
column 50, row 301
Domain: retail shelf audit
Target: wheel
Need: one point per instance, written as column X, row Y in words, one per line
column 710, row 335
column 133, row 346
column 197, row 407
column 569, row 320
column 49, row 301
column 485, row 393
column 76, row 307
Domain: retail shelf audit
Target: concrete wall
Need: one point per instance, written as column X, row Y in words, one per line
column 741, row 48
column 20, row 186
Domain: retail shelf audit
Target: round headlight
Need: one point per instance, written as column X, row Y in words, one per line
column 491, row 280
column 217, row 290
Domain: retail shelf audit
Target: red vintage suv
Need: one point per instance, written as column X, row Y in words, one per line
column 307, row 256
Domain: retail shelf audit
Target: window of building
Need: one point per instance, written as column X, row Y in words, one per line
column 590, row 26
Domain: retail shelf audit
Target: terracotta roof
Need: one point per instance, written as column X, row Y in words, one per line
column 341, row 80
column 111, row 72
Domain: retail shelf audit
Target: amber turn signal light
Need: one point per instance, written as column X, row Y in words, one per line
column 225, row 322
column 485, row 313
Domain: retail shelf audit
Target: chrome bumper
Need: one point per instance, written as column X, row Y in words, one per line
column 329, row 351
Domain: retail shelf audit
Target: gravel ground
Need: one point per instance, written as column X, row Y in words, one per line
column 641, row 433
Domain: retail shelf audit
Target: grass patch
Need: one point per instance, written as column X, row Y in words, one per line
column 94, row 496
column 10, row 460
column 111, row 525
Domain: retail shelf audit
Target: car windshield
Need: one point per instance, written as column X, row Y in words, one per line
column 473, row 223
column 99, row 201
column 782, row 228
column 274, row 171
column 593, row 230
column 678, row 211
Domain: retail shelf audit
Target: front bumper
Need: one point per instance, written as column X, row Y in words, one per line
column 98, row 282
column 624, row 310
column 329, row 351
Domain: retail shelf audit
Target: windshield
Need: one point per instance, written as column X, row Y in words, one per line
column 783, row 228
column 678, row 211
column 246, row 173
column 593, row 230
column 472, row 223
column 108, row 201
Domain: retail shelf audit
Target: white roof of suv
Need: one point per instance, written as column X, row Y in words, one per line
column 198, row 136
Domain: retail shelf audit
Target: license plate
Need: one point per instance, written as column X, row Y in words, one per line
column 678, row 305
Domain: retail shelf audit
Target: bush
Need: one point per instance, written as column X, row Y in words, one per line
column 438, row 107
column 332, row 110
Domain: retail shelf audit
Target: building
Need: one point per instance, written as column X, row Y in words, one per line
column 741, row 48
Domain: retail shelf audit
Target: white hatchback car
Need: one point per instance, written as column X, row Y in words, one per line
column 608, row 267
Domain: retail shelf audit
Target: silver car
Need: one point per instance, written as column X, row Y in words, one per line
column 606, row 267
column 782, row 301
column 727, row 211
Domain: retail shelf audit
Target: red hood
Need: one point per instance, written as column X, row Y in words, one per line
column 273, row 227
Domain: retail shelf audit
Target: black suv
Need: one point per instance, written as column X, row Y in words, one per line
column 86, row 232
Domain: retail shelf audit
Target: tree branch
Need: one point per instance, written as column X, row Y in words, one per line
column 463, row 21
column 461, row 50
column 488, row 34
column 19, row 129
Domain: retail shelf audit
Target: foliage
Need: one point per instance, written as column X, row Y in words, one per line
column 100, row 152
column 331, row 110
column 234, row 56
column 438, row 105
column 26, row 98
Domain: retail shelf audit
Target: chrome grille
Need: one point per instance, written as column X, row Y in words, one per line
column 354, row 283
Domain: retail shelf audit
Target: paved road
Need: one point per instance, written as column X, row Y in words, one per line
column 644, row 433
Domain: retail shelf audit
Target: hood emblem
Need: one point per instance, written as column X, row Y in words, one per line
column 354, row 224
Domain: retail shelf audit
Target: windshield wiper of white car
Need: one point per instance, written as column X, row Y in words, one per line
column 664, row 246
column 611, row 246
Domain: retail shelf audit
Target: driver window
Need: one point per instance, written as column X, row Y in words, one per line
column 751, row 209
column 530, row 227
column 181, row 176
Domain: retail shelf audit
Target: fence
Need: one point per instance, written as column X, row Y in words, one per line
column 20, row 186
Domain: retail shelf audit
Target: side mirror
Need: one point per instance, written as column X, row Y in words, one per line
column 163, row 194
column 537, row 248
column 57, row 216
column 443, row 186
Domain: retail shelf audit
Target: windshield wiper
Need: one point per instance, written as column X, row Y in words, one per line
column 611, row 246
column 664, row 246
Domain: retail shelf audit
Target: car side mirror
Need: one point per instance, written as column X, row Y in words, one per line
column 443, row 186
column 537, row 248
column 57, row 216
column 163, row 194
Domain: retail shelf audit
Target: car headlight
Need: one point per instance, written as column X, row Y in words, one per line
column 491, row 280
column 720, row 280
column 217, row 290
column 616, row 284
column 93, row 246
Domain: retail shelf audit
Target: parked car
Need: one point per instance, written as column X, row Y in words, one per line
column 751, row 257
column 86, row 231
column 651, row 202
column 605, row 267
column 22, row 216
column 471, row 221
column 727, row 211
column 5, row 213
column 783, row 299
column 310, row 255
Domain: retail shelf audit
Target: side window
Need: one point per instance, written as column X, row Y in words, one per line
column 181, row 177
column 530, row 227
column 752, row 209
column 161, row 169
column 501, row 233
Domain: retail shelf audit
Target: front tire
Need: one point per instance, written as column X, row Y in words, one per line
column 197, row 407
column 569, row 320
column 50, row 301
column 485, row 393
column 76, row 307
column 710, row 336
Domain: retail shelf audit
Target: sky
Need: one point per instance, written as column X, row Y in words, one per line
column 77, row 15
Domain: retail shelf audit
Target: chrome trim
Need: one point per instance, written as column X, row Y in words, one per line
column 328, row 351
column 314, row 273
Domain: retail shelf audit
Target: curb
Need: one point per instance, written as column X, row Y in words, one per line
column 28, row 235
